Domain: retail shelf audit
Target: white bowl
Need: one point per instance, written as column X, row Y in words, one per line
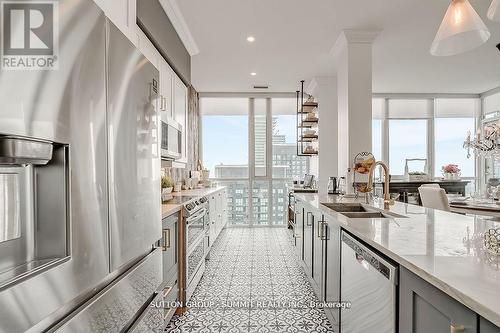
column 309, row 132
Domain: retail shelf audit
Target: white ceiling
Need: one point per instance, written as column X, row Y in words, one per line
column 294, row 39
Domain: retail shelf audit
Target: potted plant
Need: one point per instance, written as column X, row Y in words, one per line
column 167, row 185
column 451, row 172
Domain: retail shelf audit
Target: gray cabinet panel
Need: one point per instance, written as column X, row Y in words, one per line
column 487, row 327
column 308, row 241
column 299, row 230
column 332, row 267
column 318, row 263
column 169, row 247
column 423, row 308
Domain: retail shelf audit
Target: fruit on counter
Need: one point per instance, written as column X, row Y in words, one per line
column 364, row 166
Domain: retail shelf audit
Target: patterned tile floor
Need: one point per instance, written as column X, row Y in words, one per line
column 252, row 283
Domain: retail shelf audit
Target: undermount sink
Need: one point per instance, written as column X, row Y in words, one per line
column 347, row 207
column 365, row 215
column 359, row 211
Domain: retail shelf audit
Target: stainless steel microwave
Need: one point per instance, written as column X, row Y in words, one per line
column 171, row 139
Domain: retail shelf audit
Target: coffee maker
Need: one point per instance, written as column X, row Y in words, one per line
column 333, row 185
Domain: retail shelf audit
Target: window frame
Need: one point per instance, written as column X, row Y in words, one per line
column 431, row 142
column 252, row 177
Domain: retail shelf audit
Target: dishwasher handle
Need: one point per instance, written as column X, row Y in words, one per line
column 364, row 255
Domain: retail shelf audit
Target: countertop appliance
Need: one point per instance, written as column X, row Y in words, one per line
column 81, row 160
column 332, row 185
column 369, row 282
column 193, row 249
column 171, row 139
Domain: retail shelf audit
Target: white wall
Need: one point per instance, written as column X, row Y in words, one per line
column 354, row 84
column 324, row 90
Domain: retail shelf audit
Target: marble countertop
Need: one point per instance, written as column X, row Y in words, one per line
column 443, row 248
column 168, row 209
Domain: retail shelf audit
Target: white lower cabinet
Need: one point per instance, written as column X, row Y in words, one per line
column 217, row 203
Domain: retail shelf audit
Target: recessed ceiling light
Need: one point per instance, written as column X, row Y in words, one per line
column 250, row 39
column 253, row 73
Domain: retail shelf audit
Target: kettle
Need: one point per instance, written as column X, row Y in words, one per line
column 332, row 185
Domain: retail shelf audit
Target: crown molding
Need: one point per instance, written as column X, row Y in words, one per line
column 350, row 36
column 177, row 19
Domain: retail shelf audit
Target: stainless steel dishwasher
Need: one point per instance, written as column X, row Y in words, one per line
column 369, row 283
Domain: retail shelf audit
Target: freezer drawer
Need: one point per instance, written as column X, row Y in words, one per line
column 117, row 306
column 156, row 317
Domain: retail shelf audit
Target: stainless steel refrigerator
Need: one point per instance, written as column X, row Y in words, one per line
column 79, row 183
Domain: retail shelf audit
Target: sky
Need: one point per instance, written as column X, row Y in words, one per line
column 408, row 139
column 225, row 140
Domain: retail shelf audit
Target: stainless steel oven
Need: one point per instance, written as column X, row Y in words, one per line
column 196, row 226
column 171, row 139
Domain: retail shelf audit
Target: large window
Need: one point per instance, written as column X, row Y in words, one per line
column 407, row 140
column 428, row 128
column 225, row 137
column 235, row 129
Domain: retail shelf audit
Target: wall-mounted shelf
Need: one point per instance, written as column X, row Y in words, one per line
column 307, row 145
column 309, row 138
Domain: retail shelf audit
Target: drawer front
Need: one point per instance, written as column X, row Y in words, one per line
column 115, row 308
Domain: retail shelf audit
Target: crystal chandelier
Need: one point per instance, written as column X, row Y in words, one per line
column 486, row 145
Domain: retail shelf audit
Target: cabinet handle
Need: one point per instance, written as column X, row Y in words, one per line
column 166, row 291
column 325, row 233
column 307, row 219
column 166, row 239
column 456, row 328
column 320, row 229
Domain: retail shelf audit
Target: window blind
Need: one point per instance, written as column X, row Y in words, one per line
column 492, row 103
column 223, row 106
column 409, row 108
column 378, row 106
column 456, row 107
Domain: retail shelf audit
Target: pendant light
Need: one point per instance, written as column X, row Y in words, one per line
column 494, row 11
column 461, row 30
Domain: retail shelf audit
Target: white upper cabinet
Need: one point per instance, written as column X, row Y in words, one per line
column 166, row 89
column 181, row 112
column 123, row 14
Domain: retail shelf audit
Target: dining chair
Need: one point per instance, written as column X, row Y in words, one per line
column 433, row 197
column 431, row 185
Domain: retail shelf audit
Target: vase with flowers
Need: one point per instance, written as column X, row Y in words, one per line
column 451, row 172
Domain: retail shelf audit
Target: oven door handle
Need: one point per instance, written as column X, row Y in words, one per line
column 197, row 216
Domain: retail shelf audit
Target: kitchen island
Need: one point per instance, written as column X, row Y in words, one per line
column 443, row 249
